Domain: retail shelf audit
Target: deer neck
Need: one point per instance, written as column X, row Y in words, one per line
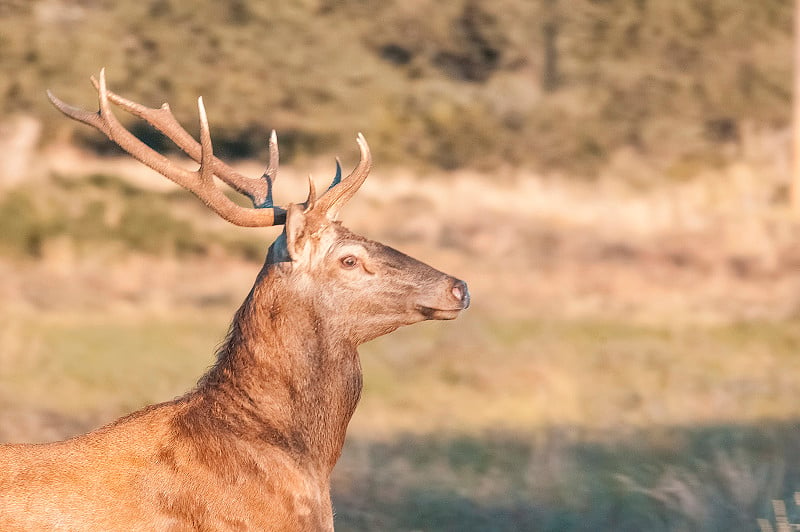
column 285, row 377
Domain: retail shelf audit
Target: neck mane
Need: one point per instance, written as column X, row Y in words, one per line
column 283, row 378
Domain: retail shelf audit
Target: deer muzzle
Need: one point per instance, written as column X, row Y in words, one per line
column 455, row 299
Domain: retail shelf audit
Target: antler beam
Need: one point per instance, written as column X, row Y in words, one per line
column 162, row 119
column 201, row 182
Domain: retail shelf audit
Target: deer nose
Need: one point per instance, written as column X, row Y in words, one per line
column 461, row 293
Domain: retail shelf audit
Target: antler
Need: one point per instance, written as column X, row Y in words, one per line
column 341, row 190
column 201, row 182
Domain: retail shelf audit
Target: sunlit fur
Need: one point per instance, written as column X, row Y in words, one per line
column 252, row 447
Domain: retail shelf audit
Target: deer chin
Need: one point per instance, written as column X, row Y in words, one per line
column 430, row 313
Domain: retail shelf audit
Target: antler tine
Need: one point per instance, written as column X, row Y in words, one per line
column 162, row 119
column 312, row 194
column 76, row 113
column 274, row 157
column 271, row 173
column 205, row 172
column 336, row 196
column 200, row 183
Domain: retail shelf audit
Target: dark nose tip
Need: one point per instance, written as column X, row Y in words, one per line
column 461, row 293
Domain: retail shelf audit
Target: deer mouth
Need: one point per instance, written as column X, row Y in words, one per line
column 431, row 313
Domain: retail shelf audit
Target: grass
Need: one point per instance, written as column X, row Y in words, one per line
column 486, row 374
column 513, row 417
column 718, row 477
column 73, row 366
column 485, row 424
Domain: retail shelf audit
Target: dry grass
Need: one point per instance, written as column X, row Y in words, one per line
column 480, row 425
column 628, row 364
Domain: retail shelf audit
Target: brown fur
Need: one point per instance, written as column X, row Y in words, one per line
column 252, row 447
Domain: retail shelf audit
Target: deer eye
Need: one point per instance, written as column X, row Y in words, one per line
column 349, row 262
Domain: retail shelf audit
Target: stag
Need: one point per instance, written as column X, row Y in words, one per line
column 252, row 446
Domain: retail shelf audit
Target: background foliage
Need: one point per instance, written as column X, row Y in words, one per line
column 548, row 84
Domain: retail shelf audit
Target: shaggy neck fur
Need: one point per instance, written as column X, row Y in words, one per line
column 286, row 378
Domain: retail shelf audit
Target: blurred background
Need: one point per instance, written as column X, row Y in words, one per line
column 612, row 178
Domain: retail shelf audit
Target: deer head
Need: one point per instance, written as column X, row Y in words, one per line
column 365, row 286
column 368, row 288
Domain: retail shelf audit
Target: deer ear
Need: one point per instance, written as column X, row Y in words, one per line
column 295, row 229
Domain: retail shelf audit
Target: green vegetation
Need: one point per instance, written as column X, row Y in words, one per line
column 712, row 478
column 21, row 228
column 548, row 84
column 102, row 210
column 435, row 446
column 88, row 360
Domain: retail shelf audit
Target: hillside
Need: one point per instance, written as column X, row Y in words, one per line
column 550, row 85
